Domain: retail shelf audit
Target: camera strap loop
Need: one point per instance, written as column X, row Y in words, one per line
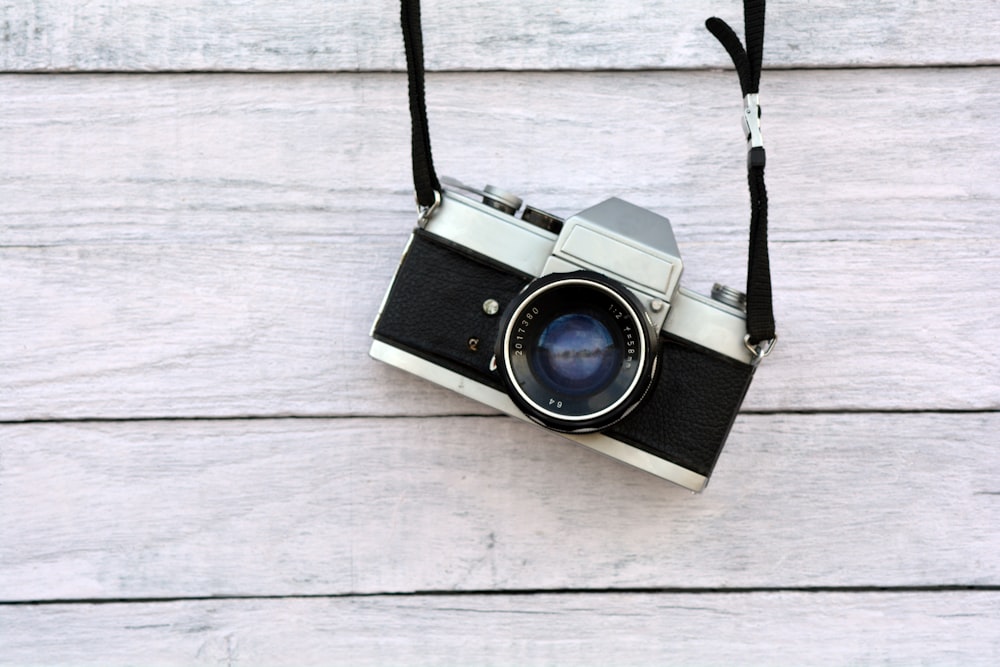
column 760, row 317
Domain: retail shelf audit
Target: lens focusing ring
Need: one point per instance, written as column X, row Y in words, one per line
column 576, row 351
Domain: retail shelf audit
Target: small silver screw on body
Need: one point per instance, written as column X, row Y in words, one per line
column 656, row 305
column 491, row 307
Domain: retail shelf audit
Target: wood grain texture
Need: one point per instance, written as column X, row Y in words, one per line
column 194, row 158
column 317, row 507
column 177, row 247
column 139, row 35
column 585, row 630
column 259, row 220
column 272, row 330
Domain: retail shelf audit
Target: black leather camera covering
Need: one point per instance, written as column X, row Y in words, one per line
column 435, row 306
column 435, row 311
column 686, row 416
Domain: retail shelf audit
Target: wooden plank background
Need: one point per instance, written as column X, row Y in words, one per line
column 201, row 204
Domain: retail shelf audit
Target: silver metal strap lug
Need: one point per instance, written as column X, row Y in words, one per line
column 761, row 349
column 424, row 213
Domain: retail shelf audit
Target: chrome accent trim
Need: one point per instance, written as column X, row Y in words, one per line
column 492, row 233
column 633, row 226
column 499, row 400
column 622, row 240
column 709, row 323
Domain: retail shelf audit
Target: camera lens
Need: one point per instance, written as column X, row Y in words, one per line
column 576, row 351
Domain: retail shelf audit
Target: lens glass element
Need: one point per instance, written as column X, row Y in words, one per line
column 576, row 354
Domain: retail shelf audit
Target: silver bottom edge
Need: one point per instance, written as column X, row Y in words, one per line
column 495, row 399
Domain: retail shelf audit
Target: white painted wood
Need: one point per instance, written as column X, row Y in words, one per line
column 216, row 245
column 259, row 220
column 872, row 155
column 47, row 35
column 743, row 629
column 305, row 507
column 235, row 330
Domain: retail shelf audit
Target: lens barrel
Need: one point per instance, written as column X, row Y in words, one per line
column 576, row 351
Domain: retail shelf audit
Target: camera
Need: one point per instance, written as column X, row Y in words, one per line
column 577, row 324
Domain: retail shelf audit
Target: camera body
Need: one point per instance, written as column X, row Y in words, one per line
column 579, row 325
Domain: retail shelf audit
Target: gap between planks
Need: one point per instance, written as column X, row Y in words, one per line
column 526, row 592
column 446, row 415
column 498, row 70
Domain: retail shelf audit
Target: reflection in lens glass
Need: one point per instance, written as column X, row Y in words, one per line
column 576, row 355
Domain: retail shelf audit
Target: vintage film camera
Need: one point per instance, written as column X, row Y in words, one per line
column 579, row 325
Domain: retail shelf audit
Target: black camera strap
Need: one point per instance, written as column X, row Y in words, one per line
column 425, row 180
column 760, row 315
column 761, row 336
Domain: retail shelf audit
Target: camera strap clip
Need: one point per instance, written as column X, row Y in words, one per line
column 751, row 121
column 751, row 129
